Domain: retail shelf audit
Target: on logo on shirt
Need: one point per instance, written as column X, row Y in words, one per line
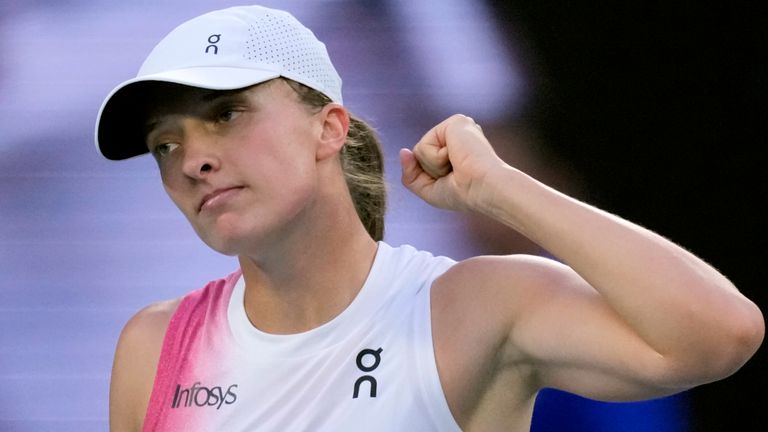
column 373, row 358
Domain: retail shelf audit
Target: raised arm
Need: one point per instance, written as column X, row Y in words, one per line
column 631, row 315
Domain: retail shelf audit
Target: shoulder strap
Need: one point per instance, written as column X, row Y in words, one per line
column 182, row 340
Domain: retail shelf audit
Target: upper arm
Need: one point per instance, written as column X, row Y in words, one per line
column 573, row 340
column 135, row 363
column 541, row 319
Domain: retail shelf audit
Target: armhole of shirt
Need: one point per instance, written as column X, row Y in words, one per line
column 427, row 363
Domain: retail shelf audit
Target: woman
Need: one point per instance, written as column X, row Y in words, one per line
column 327, row 327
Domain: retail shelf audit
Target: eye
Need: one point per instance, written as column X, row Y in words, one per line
column 164, row 149
column 227, row 115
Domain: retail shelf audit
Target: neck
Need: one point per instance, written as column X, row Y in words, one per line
column 311, row 275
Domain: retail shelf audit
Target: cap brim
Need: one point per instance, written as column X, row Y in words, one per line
column 119, row 131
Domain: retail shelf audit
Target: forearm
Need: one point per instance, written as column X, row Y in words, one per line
column 683, row 308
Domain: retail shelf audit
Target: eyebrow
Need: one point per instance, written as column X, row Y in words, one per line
column 214, row 95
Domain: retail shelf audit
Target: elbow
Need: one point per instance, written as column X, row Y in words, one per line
column 745, row 337
column 717, row 355
column 741, row 335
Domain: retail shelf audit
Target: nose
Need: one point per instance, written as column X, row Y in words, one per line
column 200, row 155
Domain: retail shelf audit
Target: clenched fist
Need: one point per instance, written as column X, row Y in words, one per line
column 451, row 165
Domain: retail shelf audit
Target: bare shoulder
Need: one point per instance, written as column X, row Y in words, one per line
column 494, row 293
column 475, row 305
column 519, row 265
column 511, row 282
column 136, row 357
column 150, row 319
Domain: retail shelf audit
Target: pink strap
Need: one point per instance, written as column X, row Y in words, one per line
column 181, row 342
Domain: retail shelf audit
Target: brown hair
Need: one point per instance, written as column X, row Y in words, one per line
column 362, row 161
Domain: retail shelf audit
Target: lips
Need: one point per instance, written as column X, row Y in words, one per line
column 217, row 197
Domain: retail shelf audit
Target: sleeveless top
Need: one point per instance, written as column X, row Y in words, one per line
column 371, row 368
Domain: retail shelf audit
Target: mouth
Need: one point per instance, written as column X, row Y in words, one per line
column 217, row 198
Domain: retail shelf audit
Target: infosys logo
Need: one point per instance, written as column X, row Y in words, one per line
column 200, row 396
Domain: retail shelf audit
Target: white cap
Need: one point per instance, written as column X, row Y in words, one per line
column 221, row 50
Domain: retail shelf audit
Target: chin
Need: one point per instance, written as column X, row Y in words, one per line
column 230, row 243
column 220, row 246
column 224, row 250
column 226, row 242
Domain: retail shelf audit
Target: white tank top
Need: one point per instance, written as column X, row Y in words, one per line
column 372, row 368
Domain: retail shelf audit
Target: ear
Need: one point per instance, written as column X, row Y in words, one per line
column 335, row 125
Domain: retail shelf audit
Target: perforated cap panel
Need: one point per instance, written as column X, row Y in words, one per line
column 275, row 40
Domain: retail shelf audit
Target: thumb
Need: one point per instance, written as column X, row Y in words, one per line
column 410, row 167
column 414, row 177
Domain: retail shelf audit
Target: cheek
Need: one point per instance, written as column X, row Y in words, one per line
column 171, row 172
column 173, row 188
column 283, row 163
column 286, row 183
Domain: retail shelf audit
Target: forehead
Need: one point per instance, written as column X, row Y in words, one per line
column 159, row 100
column 163, row 98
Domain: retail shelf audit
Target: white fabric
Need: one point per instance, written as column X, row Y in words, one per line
column 371, row 368
column 306, row 382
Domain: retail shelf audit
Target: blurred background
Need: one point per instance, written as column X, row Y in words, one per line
column 651, row 110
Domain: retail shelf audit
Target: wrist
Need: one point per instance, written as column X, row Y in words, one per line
column 492, row 193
